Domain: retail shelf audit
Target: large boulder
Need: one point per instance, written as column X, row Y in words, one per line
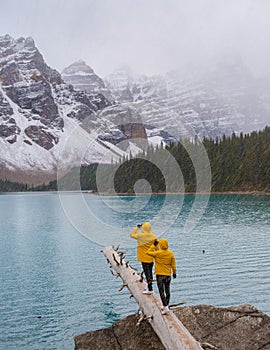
column 233, row 328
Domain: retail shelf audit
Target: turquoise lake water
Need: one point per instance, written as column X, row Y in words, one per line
column 51, row 265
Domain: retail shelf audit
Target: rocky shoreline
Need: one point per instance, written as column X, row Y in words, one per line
column 240, row 327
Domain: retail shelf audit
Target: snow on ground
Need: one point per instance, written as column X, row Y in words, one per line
column 155, row 140
column 75, row 146
column 25, row 156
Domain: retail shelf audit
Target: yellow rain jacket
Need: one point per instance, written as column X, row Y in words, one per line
column 164, row 258
column 144, row 241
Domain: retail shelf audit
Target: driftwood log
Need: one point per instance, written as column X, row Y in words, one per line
column 171, row 332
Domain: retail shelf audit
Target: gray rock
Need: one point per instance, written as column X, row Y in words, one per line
column 123, row 335
column 240, row 327
column 41, row 136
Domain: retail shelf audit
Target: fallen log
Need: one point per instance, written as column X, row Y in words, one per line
column 171, row 332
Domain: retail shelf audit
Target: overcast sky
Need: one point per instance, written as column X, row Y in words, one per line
column 151, row 36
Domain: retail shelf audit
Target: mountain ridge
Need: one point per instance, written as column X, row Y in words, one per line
column 41, row 111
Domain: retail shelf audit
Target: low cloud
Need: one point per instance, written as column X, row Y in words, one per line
column 151, row 36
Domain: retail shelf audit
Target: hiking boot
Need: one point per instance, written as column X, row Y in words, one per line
column 165, row 310
column 147, row 291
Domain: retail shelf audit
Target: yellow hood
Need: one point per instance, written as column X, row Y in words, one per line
column 163, row 243
column 146, row 227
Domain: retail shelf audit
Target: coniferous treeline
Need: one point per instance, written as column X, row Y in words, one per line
column 9, row 186
column 238, row 163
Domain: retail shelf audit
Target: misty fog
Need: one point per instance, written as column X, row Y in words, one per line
column 151, row 37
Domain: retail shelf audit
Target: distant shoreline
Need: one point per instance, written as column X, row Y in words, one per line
column 234, row 193
column 242, row 193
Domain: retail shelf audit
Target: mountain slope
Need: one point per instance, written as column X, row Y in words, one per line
column 39, row 113
column 222, row 99
column 49, row 122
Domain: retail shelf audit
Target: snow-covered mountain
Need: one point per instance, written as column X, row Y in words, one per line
column 222, row 99
column 209, row 102
column 45, row 123
column 50, row 122
column 83, row 78
column 124, row 117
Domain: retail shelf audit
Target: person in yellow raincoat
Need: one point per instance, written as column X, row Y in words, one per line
column 145, row 239
column 165, row 265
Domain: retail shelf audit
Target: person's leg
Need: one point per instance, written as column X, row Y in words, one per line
column 160, row 285
column 148, row 271
column 167, row 282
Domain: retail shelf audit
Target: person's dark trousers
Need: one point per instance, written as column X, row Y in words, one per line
column 163, row 283
column 148, row 271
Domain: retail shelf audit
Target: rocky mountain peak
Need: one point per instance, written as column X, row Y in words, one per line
column 26, row 89
column 207, row 101
column 9, row 45
column 79, row 66
column 83, row 78
column 37, row 109
column 29, row 42
column 5, row 40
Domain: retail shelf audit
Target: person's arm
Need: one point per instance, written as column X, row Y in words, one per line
column 134, row 233
column 152, row 251
column 173, row 265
